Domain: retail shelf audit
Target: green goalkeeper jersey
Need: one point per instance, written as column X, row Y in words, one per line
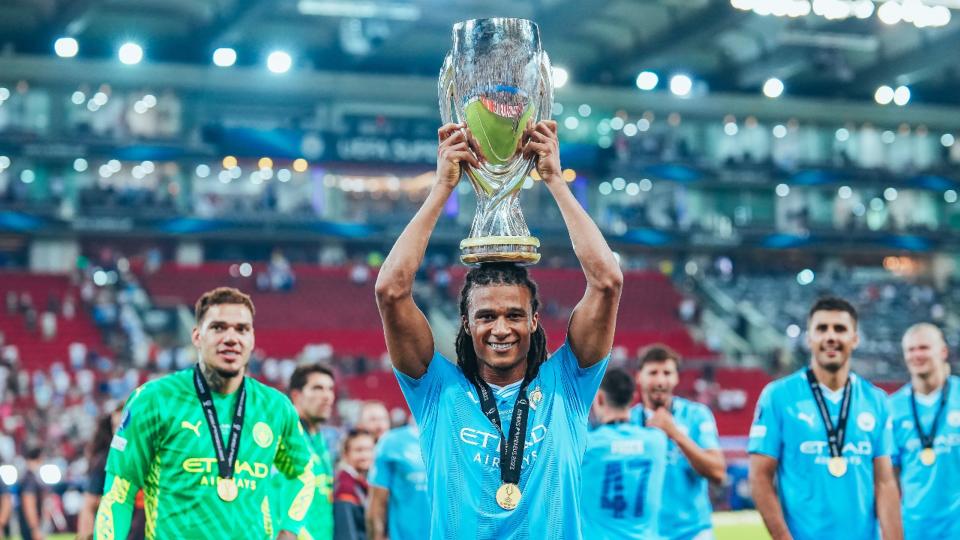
column 318, row 524
column 164, row 446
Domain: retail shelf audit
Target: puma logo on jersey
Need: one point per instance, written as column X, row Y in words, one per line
column 194, row 428
column 806, row 418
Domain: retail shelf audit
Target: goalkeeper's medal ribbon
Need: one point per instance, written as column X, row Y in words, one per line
column 837, row 465
column 511, row 450
column 928, row 456
column 226, row 457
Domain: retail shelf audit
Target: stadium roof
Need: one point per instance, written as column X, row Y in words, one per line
column 600, row 42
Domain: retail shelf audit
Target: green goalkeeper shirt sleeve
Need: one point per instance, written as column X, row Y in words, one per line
column 132, row 452
column 296, row 462
column 115, row 511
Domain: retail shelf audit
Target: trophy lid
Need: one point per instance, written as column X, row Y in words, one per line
column 474, row 33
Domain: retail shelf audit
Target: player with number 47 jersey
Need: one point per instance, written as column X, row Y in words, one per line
column 623, row 468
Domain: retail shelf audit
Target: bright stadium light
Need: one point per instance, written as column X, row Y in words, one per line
column 224, row 57
column 891, row 12
column 901, row 96
column 50, row 474
column 130, row 53
column 681, row 85
column 647, row 80
column 773, row 88
column 560, row 77
column 8, row 474
column 279, row 62
column 883, row 95
column 66, row 47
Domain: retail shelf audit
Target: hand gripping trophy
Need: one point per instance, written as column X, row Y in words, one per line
column 496, row 80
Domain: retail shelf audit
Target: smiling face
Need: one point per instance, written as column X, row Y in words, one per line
column 832, row 337
column 924, row 351
column 500, row 322
column 657, row 381
column 224, row 338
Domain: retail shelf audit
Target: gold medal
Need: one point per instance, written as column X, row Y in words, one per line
column 837, row 466
column 508, row 496
column 928, row 456
column 227, row 489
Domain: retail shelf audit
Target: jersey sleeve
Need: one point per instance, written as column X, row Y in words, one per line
column 424, row 393
column 707, row 436
column 578, row 383
column 382, row 472
column 135, row 443
column 766, row 436
column 298, row 482
column 883, row 442
column 132, row 450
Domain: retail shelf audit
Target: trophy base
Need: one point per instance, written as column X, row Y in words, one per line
column 522, row 250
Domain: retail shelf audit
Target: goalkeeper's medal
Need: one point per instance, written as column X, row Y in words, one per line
column 928, row 456
column 227, row 489
column 511, row 450
column 837, row 464
column 226, row 458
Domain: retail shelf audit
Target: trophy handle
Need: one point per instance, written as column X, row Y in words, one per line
column 546, row 96
column 445, row 90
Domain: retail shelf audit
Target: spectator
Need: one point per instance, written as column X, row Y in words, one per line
column 374, row 419
column 359, row 273
column 350, row 487
column 31, row 498
column 48, row 325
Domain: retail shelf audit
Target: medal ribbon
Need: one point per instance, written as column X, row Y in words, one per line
column 835, row 434
column 511, row 450
column 926, row 439
column 225, row 459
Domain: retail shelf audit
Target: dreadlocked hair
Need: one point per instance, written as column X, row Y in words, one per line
column 498, row 274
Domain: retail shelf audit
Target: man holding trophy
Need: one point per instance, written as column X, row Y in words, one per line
column 503, row 430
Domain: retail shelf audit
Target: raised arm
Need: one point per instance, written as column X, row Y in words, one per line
column 594, row 320
column 408, row 334
column 763, row 469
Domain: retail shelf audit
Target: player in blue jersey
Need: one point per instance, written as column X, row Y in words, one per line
column 509, row 469
column 926, row 433
column 693, row 453
column 623, row 468
column 825, row 435
column 398, row 503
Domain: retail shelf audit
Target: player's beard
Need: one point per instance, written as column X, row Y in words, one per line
column 217, row 377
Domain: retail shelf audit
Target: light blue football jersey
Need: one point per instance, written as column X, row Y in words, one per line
column 930, row 494
column 398, row 467
column 787, row 426
column 461, row 449
column 686, row 508
column 623, row 472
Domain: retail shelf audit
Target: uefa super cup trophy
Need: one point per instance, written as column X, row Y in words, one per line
column 496, row 80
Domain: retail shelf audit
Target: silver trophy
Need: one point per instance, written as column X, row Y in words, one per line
column 496, row 80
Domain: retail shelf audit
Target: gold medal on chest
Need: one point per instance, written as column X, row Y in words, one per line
column 837, row 466
column 227, row 489
column 508, row 496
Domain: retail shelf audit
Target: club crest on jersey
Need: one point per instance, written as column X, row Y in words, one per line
column 535, row 398
column 954, row 419
column 262, row 435
column 866, row 421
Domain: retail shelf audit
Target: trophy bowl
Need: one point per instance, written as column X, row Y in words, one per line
column 496, row 81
